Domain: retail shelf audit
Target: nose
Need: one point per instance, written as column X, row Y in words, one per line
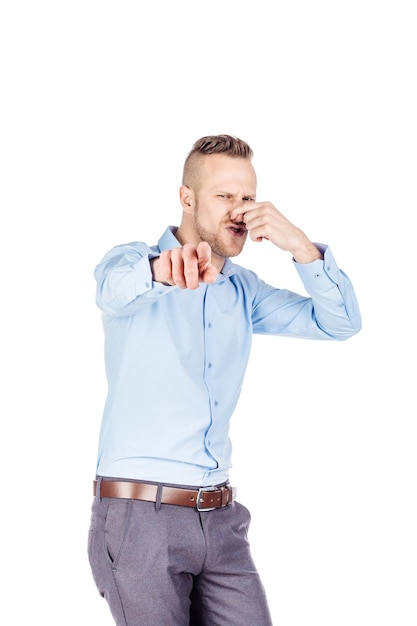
column 237, row 214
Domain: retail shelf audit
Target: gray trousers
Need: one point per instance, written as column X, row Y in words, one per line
column 168, row 565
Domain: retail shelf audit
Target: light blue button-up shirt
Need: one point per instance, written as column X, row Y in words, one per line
column 175, row 359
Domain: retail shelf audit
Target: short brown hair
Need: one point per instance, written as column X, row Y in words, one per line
column 213, row 144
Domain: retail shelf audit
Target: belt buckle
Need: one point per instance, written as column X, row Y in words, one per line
column 200, row 493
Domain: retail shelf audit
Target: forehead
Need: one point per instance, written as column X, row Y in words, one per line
column 219, row 171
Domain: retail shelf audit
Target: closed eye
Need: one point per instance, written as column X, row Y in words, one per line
column 244, row 199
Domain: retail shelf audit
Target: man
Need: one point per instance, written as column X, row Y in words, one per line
column 168, row 541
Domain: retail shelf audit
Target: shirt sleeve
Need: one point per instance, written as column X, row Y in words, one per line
column 124, row 279
column 330, row 311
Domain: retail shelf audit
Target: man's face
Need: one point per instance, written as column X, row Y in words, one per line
column 225, row 183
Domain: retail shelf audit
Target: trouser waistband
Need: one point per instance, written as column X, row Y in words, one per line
column 202, row 499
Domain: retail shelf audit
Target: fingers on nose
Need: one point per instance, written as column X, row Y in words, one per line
column 237, row 216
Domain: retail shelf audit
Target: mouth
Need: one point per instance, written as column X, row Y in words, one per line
column 237, row 230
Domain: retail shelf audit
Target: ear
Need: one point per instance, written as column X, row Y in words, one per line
column 187, row 198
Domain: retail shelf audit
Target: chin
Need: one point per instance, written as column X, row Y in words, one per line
column 235, row 251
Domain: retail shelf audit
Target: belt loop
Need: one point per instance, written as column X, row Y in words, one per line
column 225, row 495
column 158, row 497
column 98, row 485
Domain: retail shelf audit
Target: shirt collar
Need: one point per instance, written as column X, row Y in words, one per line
column 168, row 240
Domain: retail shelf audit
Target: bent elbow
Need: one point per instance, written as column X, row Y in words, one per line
column 351, row 329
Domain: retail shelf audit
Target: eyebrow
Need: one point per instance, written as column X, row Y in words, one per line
column 229, row 193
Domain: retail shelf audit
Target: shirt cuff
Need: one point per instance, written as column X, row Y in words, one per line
column 320, row 274
column 145, row 284
column 143, row 275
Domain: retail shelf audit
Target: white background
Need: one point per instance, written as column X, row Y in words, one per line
column 100, row 103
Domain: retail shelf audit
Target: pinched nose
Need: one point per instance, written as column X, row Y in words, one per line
column 237, row 214
column 238, row 219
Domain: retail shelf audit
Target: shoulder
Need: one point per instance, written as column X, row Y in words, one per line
column 134, row 248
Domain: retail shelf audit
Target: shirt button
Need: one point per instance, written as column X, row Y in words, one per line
column 147, row 285
column 216, row 403
column 316, row 275
column 209, row 325
column 208, row 364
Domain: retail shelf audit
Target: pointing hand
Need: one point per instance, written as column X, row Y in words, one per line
column 185, row 267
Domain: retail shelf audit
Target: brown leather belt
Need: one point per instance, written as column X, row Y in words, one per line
column 203, row 499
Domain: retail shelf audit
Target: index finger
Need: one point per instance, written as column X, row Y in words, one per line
column 190, row 269
column 203, row 253
column 238, row 213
